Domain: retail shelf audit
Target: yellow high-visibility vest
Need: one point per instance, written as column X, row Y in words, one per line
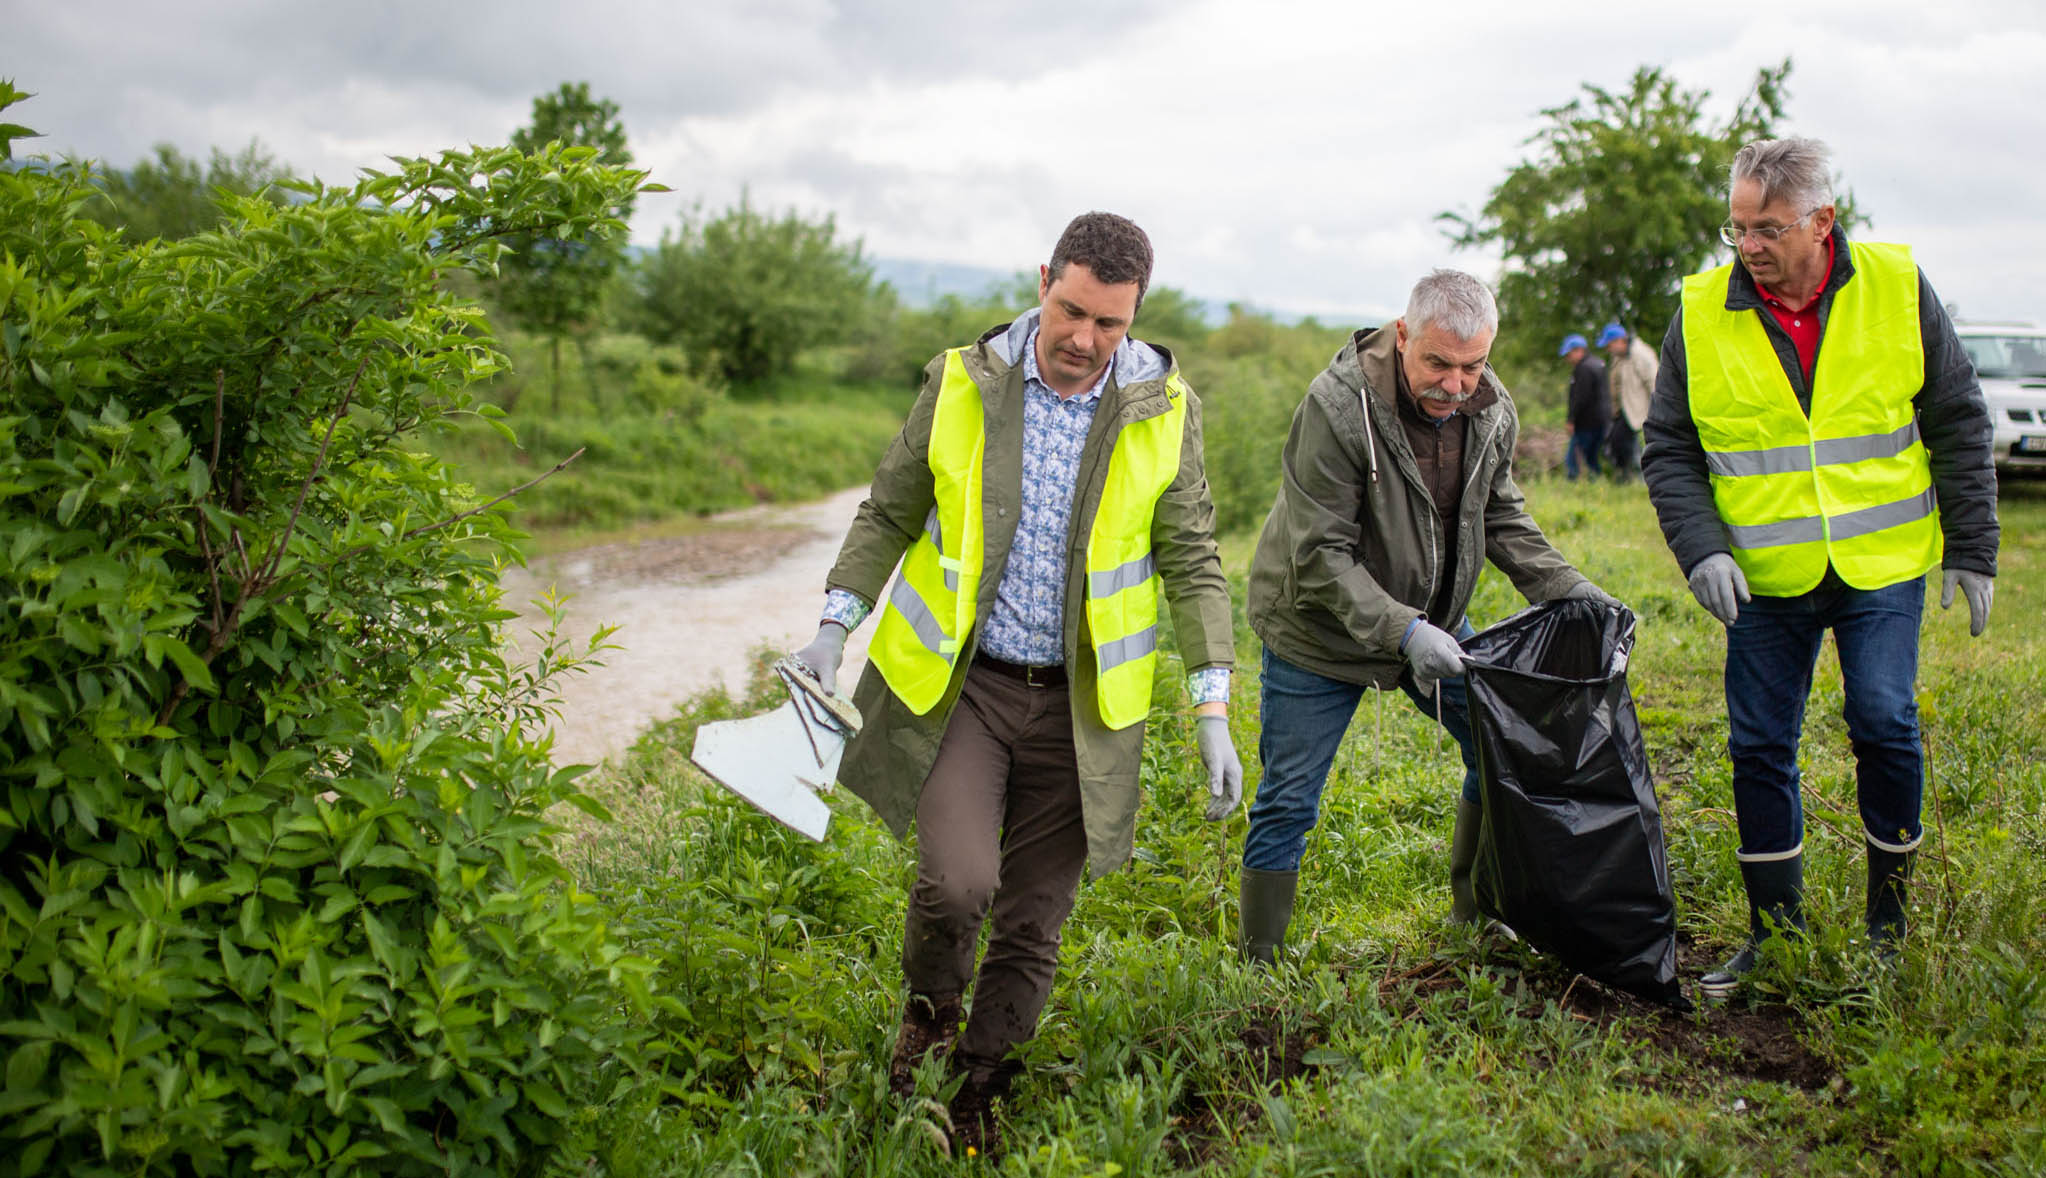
column 930, row 609
column 1850, row 484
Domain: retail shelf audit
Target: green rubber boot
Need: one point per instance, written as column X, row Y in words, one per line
column 1264, row 908
column 1463, row 856
column 1889, row 878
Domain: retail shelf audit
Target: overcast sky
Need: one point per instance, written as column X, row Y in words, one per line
column 1293, row 155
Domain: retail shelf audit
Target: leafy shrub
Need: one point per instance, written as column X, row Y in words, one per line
column 274, row 887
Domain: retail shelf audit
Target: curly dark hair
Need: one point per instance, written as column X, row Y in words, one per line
column 1112, row 248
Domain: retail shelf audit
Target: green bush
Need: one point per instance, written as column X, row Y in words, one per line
column 1251, row 375
column 606, row 375
column 275, row 888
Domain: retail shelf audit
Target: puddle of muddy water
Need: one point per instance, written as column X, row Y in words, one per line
column 690, row 609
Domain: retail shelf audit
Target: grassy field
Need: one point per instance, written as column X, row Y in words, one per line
column 659, row 447
column 1388, row 1043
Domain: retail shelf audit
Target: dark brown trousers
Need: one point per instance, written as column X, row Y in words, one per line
column 1000, row 836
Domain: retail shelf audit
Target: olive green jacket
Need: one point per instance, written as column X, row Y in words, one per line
column 887, row 762
column 1352, row 551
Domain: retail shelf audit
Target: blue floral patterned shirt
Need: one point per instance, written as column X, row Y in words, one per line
column 1027, row 623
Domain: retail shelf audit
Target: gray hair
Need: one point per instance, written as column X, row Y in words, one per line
column 1453, row 301
column 1799, row 170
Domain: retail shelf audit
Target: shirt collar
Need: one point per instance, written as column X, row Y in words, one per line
column 1031, row 373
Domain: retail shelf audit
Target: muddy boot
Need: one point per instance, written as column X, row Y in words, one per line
column 1264, row 908
column 1889, row 877
column 1775, row 904
column 976, row 1133
column 1463, row 856
column 929, row 1023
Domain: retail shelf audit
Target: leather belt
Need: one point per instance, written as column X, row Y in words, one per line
column 1052, row 676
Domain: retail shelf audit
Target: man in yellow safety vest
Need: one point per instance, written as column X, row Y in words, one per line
column 1047, row 485
column 1816, row 444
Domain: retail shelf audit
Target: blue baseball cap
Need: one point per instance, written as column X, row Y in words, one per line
column 1612, row 332
column 1571, row 341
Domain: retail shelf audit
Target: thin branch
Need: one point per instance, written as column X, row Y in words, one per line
column 254, row 584
column 557, row 468
column 525, row 486
column 212, row 473
column 311, row 476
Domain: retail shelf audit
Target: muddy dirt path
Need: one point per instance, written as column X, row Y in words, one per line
column 689, row 610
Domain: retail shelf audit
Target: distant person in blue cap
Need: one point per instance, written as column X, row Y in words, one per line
column 1590, row 406
column 1632, row 377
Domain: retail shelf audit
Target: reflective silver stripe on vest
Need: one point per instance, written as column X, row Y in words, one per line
column 1129, row 575
column 1832, row 452
column 1805, row 530
column 1846, row 526
column 950, row 565
column 1886, row 515
column 910, row 605
column 1729, row 464
column 1128, row 648
column 1840, row 451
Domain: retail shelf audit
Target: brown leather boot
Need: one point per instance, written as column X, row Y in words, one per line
column 975, row 1131
column 929, row 1023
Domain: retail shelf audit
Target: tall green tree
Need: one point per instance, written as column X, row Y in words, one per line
column 171, row 195
column 1622, row 197
column 552, row 285
column 744, row 292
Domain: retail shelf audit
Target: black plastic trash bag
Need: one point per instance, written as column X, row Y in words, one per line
column 1571, row 856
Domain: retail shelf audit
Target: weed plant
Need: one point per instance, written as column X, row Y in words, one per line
column 1386, row 1042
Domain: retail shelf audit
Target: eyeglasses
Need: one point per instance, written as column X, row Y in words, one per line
column 1731, row 233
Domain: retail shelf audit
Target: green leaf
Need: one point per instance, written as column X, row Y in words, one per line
column 195, row 672
column 546, row 1098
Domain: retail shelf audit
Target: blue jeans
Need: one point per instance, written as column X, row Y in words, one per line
column 1584, row 443
column 1304, row 716
column 1770, row 651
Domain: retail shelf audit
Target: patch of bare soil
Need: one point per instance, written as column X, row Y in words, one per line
column 1748, row 1043
column 1275, row 1049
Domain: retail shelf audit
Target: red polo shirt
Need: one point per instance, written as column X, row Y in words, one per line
column 1802, row 322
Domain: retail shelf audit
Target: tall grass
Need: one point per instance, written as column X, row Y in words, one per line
column 1388, row 1043
column 660, row 444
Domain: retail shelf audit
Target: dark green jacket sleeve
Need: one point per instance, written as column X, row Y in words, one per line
column 893, row 513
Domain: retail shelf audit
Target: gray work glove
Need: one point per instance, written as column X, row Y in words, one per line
column 1720, row 586
column 1586, row 589
column 1978, row 589
column 1225, row 769
column 822, row 656
column 1433, row 654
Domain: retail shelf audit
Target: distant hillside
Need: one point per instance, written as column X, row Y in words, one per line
column 919, row 284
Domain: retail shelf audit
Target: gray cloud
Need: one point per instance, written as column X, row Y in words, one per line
column 1293, row 153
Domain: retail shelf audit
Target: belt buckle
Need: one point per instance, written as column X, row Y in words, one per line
column 1030, row 676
